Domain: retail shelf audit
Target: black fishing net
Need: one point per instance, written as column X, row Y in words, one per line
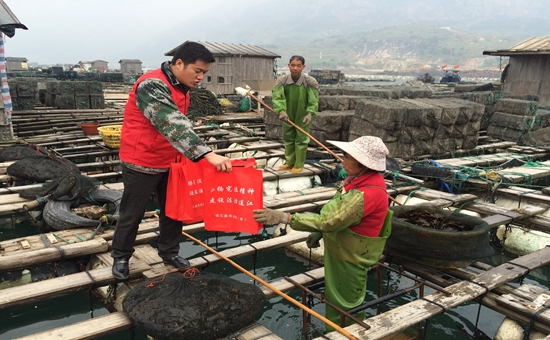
column 63, row 188
column 19, row 151
column 204, row 306
column 203, row 103
column 426, row 237
column 40, row 168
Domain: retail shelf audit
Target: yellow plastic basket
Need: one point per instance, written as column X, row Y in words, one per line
column 111, row 135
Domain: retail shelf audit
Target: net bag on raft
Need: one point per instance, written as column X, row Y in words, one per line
column 63, row 188
column 202, row 103
column 442, row 247
column 19, row 151
column 204, row 306
column 40, row 168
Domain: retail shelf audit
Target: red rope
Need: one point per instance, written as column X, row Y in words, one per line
column 188, row 274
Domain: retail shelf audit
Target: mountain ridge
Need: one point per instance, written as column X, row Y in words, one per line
column 295, row 26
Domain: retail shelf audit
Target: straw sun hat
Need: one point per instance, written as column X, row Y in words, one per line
column 367, row 150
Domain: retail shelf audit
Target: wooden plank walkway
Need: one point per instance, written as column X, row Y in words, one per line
column 485, row 160
column 419, row 310
column 305, row 200
column 89, row 329
column 527, row 300
column 525, row 174
column 499, row 215
column 146, row 264
column 497, row 146
column 63, row 285
column 98, row 150
column 11, row 202
column 453, row 276
column 412, row 313
column 396, row 317
column 118, row 321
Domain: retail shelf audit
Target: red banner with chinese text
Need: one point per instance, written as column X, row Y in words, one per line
column 229, row 198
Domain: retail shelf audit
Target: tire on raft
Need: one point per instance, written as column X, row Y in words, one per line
column 438, row 248
column 58, row 214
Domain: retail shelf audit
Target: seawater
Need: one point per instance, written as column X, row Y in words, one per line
column 280, row 316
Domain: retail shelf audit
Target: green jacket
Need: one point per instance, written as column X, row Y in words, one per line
column 348, row 256
column 298, row 98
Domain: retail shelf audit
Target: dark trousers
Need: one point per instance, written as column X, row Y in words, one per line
column 138, row 188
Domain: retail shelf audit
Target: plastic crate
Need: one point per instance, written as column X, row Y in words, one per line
column 111, row 135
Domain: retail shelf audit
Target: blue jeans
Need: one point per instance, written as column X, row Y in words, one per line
column 138, row 188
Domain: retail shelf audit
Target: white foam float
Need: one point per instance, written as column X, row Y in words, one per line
column 520, row 241
column 300, row 248
column 510, row 329
column 291, row 184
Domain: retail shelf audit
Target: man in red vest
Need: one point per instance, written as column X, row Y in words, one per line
column 155, row 130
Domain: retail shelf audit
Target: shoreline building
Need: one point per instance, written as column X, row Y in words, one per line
column 238, row 66
column 528, row 69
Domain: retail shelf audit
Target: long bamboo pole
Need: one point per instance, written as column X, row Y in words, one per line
column 275, row 290
column 296, row 126
column 307, row 134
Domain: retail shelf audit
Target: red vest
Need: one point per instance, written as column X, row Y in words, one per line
column 375, row 203
column 140, row 143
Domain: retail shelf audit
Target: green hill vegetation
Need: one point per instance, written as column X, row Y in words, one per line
column 399, row 48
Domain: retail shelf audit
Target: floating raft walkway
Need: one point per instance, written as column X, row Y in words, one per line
column 145, row 265
column 11, row 202
column 488, row 287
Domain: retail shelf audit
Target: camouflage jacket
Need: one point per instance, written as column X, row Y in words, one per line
column 154, row 99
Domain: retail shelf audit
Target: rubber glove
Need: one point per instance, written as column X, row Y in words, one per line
column 283, row 115
column 270, row 216
column 313, row 239
column 307, row 119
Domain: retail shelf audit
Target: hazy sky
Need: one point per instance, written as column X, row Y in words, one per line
column 68, row 31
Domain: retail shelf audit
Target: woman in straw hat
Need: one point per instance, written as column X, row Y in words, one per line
column 351, row 225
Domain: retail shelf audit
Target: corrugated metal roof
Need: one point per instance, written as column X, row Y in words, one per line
column 129, row 61
column 221, row 49
column 537, row 45
column 16, row 59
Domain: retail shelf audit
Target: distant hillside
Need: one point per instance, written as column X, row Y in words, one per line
column 399, row 48
column 295, row 22
column 342, row 30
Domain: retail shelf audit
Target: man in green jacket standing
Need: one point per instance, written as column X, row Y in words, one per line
column 295, row 98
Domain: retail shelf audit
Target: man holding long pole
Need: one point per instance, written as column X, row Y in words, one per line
column 295, row 99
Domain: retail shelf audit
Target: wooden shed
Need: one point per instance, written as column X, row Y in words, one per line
column 528, row 69
column 16, row 64
column 100, row 65
column 236, row 65
column 130, row 67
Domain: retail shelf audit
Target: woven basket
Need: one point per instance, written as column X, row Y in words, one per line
column 111, row 135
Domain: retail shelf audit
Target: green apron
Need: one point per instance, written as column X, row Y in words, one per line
column 348, row 256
